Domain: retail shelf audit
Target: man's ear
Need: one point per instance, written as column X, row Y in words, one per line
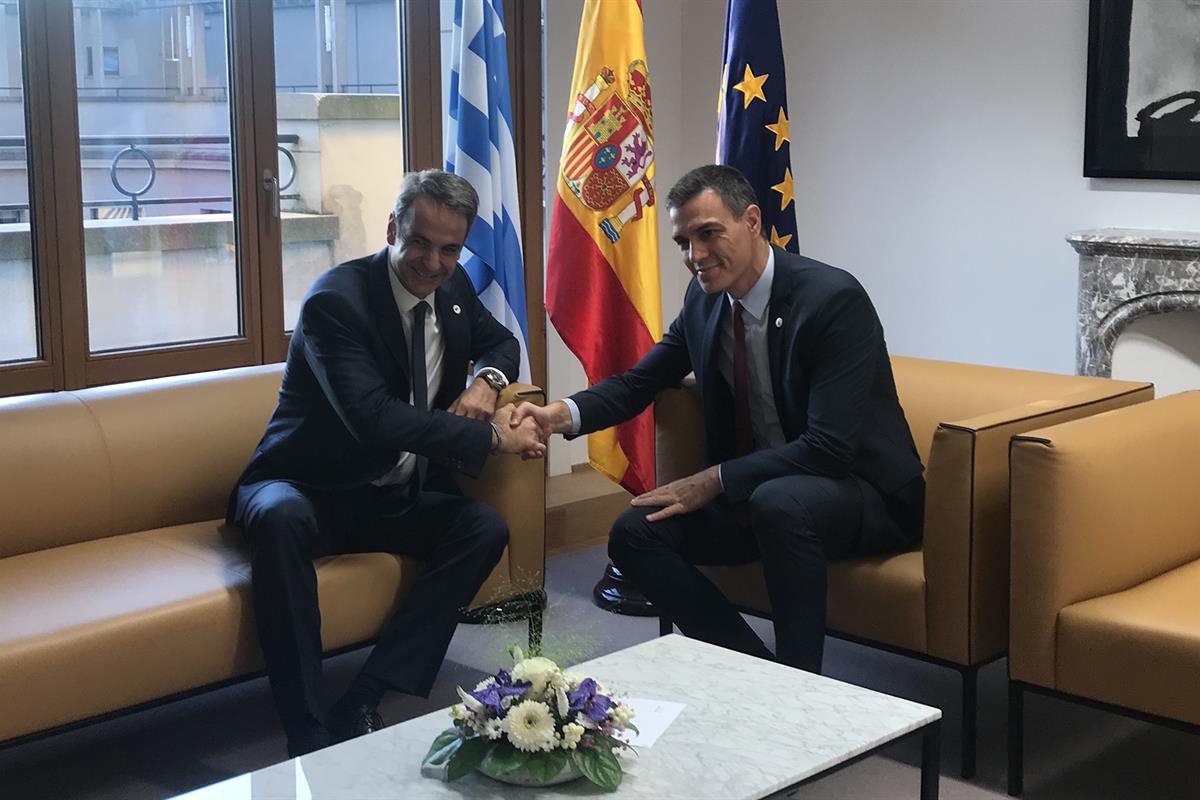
column 753, row 218
column 391, row 228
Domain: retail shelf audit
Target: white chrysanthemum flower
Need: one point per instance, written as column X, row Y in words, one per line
column 538, row 671
column 493, row 728
column 558, row 681
column 621, row 715
column 483, row 684
column 571, row 735
column 530, row 726
column 458, row 711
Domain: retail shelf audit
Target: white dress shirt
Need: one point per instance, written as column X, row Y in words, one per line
column 435, row 349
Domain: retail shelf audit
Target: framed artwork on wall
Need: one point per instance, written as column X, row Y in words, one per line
column 1143, row 90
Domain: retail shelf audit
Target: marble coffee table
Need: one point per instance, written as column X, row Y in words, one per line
column 750, row 729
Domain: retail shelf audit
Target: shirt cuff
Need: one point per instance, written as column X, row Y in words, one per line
column 493, row 370
column 575, row 421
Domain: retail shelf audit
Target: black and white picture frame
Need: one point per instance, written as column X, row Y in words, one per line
column 1143, row 90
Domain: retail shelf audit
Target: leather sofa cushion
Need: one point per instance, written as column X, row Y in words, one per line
column 106, row 624
column 881, row 598
column 175, row 446
column 1139, row 648
column 54, row 479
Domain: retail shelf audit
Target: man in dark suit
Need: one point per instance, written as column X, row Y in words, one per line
column 811, row 456
column 372, row 417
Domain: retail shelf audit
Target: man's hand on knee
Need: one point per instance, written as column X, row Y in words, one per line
column 682, row 496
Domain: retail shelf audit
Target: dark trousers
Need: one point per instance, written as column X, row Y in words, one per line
column 458, row 540
column 792, row 524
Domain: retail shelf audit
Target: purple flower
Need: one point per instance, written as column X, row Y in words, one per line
column 502, row 686
column 586, row 699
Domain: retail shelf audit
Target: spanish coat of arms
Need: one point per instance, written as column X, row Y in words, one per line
column 610, row 148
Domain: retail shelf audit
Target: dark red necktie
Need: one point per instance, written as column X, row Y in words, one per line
column 743, row 437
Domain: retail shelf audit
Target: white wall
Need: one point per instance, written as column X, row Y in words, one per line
column 937, row 149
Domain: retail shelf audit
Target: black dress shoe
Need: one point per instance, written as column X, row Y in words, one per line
column 347, row 723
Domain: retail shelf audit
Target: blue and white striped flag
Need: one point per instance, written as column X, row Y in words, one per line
column 479, row 146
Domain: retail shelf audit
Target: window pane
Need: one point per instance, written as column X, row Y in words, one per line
column 18, row 294
column 337, row 77
column 157, row 173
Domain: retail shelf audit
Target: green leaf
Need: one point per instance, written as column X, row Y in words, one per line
column 505, row 758
column 632, row 727
column 444, row 746
column 545, row 766
column 600, row 767
column 467, row 757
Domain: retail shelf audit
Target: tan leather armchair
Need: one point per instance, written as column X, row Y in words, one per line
column 120, row 586
column 1106, row 565
column 948, row 602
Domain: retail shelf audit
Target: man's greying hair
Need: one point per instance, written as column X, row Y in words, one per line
column 444, row 188
column 735, row 191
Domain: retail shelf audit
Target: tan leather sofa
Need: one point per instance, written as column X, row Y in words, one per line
column 119, row 584
column 947, row 602
column 1106, row 565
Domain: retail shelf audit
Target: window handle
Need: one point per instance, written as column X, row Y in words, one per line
column 270, row 185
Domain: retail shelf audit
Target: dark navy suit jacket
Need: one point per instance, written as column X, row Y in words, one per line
column 832, row 379
column 344, row 414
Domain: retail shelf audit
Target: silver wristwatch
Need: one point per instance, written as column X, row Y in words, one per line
column 494, row 377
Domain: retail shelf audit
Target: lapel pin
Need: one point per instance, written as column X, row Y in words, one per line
column 779, row 322
column 456, row 308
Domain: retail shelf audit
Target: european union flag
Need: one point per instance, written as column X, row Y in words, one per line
column 752, row 120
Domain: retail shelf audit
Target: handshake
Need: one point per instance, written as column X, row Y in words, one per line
column 525, row 429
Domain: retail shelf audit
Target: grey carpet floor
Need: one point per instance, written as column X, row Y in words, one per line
column 1073, row 752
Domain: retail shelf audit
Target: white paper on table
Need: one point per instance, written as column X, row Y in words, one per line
column 652, row 719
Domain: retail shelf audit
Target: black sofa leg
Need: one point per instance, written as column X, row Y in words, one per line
column 970, row 732
column 665, row 626
column 1016, row 738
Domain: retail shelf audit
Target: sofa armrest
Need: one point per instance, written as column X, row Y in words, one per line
column 680, row 440
column 966, row 545
column 1099, row 505
column 517, row 489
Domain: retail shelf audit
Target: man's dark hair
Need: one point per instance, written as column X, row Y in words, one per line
column 735, row 191
column 444, row 188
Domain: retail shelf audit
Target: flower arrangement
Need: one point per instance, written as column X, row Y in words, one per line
column 535, row 720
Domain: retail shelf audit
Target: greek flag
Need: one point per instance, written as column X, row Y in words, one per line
column 479, row 146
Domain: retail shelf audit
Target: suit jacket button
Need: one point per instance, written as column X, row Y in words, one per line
column 779, row 322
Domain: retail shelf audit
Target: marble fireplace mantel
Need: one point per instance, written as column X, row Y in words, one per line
column 1128, row 274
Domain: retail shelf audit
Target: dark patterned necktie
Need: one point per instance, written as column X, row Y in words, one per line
column 420, row 383
column 743, row 437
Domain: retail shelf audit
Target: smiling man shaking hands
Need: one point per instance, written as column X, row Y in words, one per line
column 371, row 420
column 811, row 457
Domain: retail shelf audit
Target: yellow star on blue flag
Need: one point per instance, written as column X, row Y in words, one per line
column 753, row 130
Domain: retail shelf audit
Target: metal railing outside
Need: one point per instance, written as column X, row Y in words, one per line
column 134, row 146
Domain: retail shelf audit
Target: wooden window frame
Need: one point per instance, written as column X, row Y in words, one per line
column 56, row 219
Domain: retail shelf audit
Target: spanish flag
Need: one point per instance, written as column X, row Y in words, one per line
column 602, row 289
